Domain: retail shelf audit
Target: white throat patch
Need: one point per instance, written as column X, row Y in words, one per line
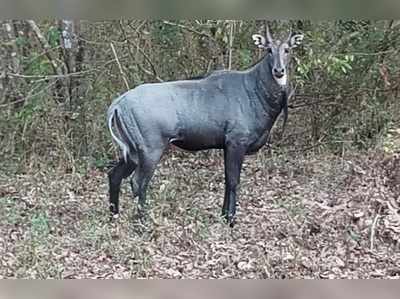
column 281, row 81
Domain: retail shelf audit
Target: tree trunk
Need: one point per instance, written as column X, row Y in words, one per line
column 73, row 54
column 62, row 91
column 11, row 64
column 67, row 47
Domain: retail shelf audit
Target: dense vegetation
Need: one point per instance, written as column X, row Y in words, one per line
column 56, row 88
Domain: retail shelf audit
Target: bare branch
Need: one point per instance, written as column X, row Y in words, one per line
column 119, row 66
column 231, row 37
column 188, row 29
column 147, row 58
column 47, row 77
column 24, row 99
column 373, row 230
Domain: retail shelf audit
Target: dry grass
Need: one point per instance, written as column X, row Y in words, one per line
column 314, row 217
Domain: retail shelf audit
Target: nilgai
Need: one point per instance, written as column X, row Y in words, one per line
column 229, row 110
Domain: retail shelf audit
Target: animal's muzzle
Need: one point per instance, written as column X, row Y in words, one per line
column 279, row 72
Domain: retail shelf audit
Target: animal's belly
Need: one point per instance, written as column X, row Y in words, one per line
column 195, row 141
column 195, row 146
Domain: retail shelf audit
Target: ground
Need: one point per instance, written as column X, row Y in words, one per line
column 298, row 217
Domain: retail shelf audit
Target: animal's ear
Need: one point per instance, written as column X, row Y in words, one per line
column 259, row 40
column 295, row 40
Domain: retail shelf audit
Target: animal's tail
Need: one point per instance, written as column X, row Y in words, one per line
column 116, row 127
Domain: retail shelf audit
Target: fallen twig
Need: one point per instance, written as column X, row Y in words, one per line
column 373, row 229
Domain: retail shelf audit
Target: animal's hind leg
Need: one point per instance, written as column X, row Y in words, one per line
column 148, row 161
column 134, row 187
column 121, row 171
column 225, row 206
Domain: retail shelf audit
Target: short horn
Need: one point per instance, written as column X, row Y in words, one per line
column 268, row 33
column 290, row 34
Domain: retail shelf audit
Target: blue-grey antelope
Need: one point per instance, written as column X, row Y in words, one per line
column 229, row 110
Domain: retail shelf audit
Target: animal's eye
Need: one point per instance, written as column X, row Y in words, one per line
column 286, row 50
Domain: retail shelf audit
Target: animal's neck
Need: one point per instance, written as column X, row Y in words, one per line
column 270, row 96
column 264, row 74
column 270, row 92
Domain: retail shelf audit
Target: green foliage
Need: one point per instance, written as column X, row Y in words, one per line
column 53, row 36
column 35, row 65
column 335, row 67
column 28, row 111
column 21, row 41
column 166, row 35
column 339, row 72
column 40, row 227
column 245, row 57
column 338, row 66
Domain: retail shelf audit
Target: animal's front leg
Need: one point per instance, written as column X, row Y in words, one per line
column 234, row 155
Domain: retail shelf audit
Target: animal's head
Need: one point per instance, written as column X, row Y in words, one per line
column 278, row 53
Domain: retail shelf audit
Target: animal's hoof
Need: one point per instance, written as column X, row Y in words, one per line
column 134, row 188
column 229, row 219
column 232, row 223
column 114, row 210
column 114, row 217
